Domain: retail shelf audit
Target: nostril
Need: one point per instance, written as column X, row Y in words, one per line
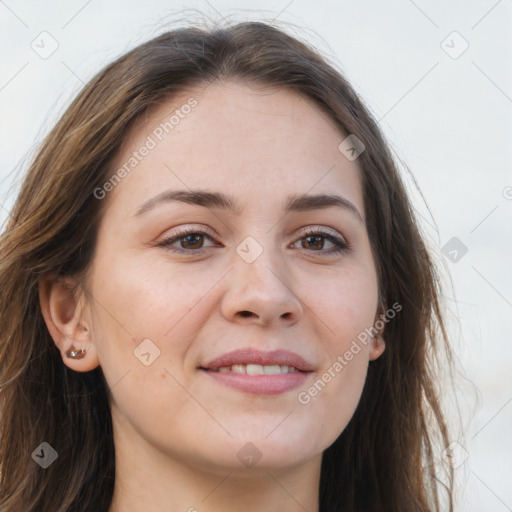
column 245, row 313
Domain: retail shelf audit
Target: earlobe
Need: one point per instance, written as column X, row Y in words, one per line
column 378, row 344
column 377, row 348
column 65, row 315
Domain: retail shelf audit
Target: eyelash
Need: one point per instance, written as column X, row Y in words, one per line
column 340, row 244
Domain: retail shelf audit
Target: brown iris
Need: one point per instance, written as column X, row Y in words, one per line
column 193, row 241
column 316, row 241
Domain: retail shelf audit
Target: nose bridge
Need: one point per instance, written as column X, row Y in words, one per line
column 259, row 283
column 257, row 264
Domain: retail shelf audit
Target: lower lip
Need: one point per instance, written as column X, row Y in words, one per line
column 260, row 384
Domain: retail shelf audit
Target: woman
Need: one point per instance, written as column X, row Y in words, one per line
column 215, row 296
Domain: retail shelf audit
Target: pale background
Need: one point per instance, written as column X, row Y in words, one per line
column 447, row 114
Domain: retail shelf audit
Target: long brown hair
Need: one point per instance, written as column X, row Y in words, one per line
column 384, row 460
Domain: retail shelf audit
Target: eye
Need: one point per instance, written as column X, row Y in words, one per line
column 314, row 239
column 188, row 240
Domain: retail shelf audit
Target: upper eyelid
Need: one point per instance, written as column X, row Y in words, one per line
column 184, row 231
column 321, row 230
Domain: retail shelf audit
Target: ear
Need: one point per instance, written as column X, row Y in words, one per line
column 378, row 345
column 67, row 316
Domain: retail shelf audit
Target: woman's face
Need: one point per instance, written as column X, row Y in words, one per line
column 219, row 243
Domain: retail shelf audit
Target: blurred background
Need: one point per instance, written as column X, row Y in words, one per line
column 436, row 75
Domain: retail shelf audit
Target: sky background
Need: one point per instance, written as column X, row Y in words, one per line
column 436, row 75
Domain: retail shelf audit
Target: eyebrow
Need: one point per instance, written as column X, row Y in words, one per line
column 219, row 200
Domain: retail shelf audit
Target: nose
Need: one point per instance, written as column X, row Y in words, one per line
column 258, row 293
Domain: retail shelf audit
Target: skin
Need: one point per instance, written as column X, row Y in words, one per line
column 176, row 430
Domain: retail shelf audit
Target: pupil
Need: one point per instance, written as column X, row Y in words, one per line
column 311, row 241
column 192, row 239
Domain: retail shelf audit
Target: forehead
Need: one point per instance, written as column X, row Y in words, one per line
column 248, row 139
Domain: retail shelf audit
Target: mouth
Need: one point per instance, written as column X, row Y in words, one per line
column 259, row 373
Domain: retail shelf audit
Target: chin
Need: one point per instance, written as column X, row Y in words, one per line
column 267, row 448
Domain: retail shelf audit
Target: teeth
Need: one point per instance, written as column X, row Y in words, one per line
column 258, row 369
column 270, row 370
column 254, row 369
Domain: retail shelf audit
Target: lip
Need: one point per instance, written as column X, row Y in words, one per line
column 260, row 384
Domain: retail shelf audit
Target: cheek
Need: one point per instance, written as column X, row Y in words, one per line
column 148, row 299
column 137, row 301
column 143, row 301
column 332, row 397
column 345, row 304
column 345, row 309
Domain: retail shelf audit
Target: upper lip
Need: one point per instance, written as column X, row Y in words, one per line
column 254, row 356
